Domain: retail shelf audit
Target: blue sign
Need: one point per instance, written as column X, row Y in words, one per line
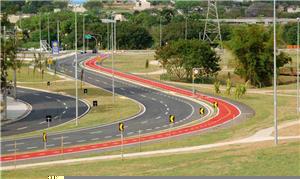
column 55, row 47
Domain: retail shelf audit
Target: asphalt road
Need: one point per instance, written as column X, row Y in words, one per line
column 156, row 108
column 60, row 107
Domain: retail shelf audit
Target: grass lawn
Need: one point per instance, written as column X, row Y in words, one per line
column 26, row 74
column 263, row 159
column 133, row 63
column 105, row 112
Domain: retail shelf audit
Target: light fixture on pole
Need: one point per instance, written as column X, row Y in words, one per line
column 113, row 47
column 298, row 43
column 275, row 75
column 76, row 72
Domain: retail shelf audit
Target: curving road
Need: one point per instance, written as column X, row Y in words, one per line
column 156, row 107
column 60, row 107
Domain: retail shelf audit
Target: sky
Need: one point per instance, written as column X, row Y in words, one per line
column 79, row 1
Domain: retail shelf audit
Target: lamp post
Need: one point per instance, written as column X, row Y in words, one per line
column 298, row 19
column 48, row 29
column 83, row 33
column 160, row 32
column 275, row 75
column 76, row 73
column 57, row 28
column 113, row 48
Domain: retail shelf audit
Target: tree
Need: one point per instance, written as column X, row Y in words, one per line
column 253, row 48
column 180, row 57
column 93, row 5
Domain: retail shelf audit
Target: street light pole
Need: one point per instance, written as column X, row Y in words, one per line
column 48, row 29
column 83, row 33
column 275, row 76
column 185, row 28
column 76, row 66
column 298, row 43
column 112, row 58
column 40, row 24
column 57, row 32
column 160, row 32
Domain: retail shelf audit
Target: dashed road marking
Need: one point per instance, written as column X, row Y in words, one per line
column 64, row 112
column 21, row 128
column 95, row 139
column 31, row 148
column 129, row 133
column 59, row 138
column 96, row 132
column 81, row 141
column 43, row 122
column 144, row 122
column 50, row 145
column 48, row 97
column 36, row 94
column 106, row 137
column 158, row 117
column 143, row 96
column 65, row 143
column 14, row 144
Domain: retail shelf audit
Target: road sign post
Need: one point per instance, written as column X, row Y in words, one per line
column 201, row 111
column 48, row 120
column 195, row 72
column 45, row 140
column 62, row 145
column 171, row 122
column 121, row 129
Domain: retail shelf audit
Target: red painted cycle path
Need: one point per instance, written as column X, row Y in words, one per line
column 227, row 112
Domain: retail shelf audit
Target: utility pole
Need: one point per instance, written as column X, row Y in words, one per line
column 112, row 63
column 76, row 73
column 275, row 76
column 298, row 43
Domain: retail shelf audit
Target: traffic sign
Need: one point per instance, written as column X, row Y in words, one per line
column 171, row 119
column 48, row 83
column 44, row 137
column 20, row 35
column 50, row 61
column 121, row 127
column 85, row 91
column 88, row 36
column 48, row 118
column 215, row 104
column 201, row 111
column 55, row 47
column 95, row 103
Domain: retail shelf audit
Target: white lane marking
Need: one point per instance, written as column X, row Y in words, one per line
column 157, row 127
column 67, row 143
column 31, row 148
column 165, row 126
column 64, row 112
column 48, row 97
column 65, row 104
column 97, row 80
column 106, row 137
column 59, row 138
column 58, row 100
column 36, row 94
column 118, row 135
column 13, row 144
column 89, row 77
column 161, row 102
column 21, row 128
column 104, row 82
column 81, row 140
column 166, row 113
column 122, row 89
column 158, row 117
column 132, row 92
column 168, row 109
column 153, row 99
column 96, row 132
column 143, row 96
column 21, row 91
column 129, row 133
column 95, row 139
column 12, row 150
column 50, row 145
column 66, row 107
column 144, row 122
column 43, row 122
column 148, row 129
column 166, row 105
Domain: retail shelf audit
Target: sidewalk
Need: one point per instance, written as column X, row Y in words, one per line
column 16, row 110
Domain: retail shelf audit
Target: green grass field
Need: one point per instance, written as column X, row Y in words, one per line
column 264, row 159
column 133, row 63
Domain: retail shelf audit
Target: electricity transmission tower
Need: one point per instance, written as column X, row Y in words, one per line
column 212, row 29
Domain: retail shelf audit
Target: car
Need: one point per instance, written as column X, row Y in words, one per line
column 95, row 50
